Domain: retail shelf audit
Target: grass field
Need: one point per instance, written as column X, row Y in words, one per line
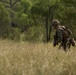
column 35, row 59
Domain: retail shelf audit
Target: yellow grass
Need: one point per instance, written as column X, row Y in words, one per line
column 35, row 59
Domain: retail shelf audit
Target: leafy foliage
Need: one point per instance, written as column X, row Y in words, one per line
column 27, row 15
column 4, row 21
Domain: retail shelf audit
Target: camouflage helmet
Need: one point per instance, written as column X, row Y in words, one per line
column 55, row 22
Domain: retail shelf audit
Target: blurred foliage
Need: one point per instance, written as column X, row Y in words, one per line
column 34, row 34
column 32, row 18
column 4, row 22
column 15, row 34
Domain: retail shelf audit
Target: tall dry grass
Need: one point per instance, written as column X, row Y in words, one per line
column 35, row 59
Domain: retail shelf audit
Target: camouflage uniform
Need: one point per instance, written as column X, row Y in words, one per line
column 62, row 36
column 59, row 38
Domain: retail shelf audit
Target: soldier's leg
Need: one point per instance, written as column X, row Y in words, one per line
column 65, row 44
column 64, row 47
column 68, row 44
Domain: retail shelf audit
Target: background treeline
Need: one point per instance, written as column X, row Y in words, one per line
column 29, row 20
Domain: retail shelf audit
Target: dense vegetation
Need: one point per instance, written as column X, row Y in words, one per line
column 29, row 20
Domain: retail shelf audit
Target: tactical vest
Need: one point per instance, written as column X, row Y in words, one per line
column 66, row 32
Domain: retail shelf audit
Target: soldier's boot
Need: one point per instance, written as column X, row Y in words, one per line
column 64, row 47
column 72, row 41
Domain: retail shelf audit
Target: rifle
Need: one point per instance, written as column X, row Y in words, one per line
column 55, row 41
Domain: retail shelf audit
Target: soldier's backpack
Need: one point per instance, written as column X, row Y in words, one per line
column 67, row 34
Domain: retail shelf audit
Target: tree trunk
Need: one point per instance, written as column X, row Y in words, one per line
column 46, row 26
column 52, row 16
column 50, row 26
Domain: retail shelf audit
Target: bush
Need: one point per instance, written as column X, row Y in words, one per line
column 15, row 34
column 34, row 34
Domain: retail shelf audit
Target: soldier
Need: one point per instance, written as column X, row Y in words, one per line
column 62, row 36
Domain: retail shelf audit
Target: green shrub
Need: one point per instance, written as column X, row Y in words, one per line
column 34, row 34
column 15, row 34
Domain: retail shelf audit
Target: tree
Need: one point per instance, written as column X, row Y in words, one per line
column 10, row 4
column 4, row 21
column 66, row 14
column 45, row 9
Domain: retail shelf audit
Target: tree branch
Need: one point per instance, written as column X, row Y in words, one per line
column 4, row 1
column 15, row 2
column 7, row 6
